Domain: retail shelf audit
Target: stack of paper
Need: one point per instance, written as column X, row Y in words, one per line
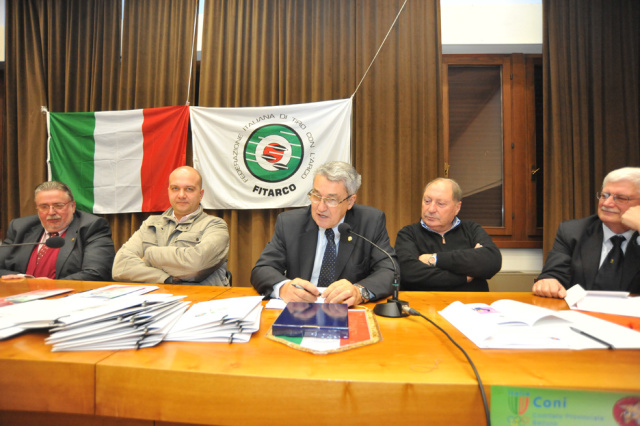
column 129, row 322
column 608, row 302
column 124, row 317
column 223, row 320
column 515, row 325
column 32, row 295
column 116, row 290
column 21, row 317
column 44, row 314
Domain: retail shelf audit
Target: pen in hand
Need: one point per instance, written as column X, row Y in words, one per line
column 299, row 287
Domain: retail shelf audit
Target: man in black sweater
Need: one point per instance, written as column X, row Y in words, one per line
column 442, row 252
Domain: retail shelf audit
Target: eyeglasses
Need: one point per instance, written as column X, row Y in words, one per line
column 618, row 199
column 330, row 202
column 44, row 208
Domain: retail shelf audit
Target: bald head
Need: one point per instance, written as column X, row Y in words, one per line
column 185, row 191
column 187, row 170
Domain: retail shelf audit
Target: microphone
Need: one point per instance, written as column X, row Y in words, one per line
column 54, row 242
column 51, row 242
column 393, row 307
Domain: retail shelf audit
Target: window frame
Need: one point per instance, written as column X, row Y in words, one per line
column 519, row 144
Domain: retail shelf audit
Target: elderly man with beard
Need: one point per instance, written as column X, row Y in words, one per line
column 599, row 252
column 88, row 251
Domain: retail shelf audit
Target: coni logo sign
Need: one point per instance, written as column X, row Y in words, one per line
column 518, row 404
column 273, row 153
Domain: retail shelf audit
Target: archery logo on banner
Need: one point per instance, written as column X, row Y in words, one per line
column 264, row 157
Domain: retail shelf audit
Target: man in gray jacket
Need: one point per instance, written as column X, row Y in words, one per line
column 183, row 245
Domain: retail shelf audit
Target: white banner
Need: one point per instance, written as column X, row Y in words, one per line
column 265, row 157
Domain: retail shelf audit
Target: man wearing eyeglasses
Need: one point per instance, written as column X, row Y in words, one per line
column 306, row 251
column 87, row 253
column 599, row 252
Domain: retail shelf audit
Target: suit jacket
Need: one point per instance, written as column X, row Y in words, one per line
column 291, row 252
column 575, row 257
column 87, row 254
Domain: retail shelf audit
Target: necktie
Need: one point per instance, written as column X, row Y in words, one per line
column 328, row 268
column 44, row 249
column 609, row 275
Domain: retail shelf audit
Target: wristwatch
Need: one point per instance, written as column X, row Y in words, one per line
column 433, row 259
column 364, row 293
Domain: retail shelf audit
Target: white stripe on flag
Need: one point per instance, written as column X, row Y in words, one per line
column 319, row 344
column 118, row 160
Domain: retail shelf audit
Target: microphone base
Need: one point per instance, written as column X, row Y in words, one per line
column 391, row 309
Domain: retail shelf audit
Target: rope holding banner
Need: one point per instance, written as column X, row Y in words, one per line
column 193, row 41
column 380, row 48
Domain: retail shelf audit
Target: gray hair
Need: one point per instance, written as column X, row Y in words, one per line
column 631, row 174
column 455, row 188
column 54, row 186
column 339, row 171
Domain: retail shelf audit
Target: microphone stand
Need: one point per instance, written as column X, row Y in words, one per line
column 393, row 307
column 51, row 242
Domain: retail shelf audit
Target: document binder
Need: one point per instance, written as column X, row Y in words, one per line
column 302, row 319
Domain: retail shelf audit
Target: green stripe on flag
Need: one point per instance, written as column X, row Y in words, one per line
column 296, row 340
column 71, row 153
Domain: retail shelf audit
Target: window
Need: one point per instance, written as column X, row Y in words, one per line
column 493, row 134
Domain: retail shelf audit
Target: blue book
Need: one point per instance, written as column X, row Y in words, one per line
column 323, row 320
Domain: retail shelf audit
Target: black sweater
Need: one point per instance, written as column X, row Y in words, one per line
column 457, row 258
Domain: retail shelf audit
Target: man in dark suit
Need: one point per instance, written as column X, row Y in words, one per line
column 301, row 256
column 88, row 250
column 585, row 249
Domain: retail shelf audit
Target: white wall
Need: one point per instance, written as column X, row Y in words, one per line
column 491, row 26
column 521, row 260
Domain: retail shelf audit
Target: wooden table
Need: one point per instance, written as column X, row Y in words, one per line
column 413, row 374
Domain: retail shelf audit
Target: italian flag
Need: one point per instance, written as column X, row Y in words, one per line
column 358, row 333
column 118, row 161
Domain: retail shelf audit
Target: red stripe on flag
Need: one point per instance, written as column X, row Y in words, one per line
column 358, row 327
column 165, row 148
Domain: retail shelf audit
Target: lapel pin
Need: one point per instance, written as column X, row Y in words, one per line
column 349, row 238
